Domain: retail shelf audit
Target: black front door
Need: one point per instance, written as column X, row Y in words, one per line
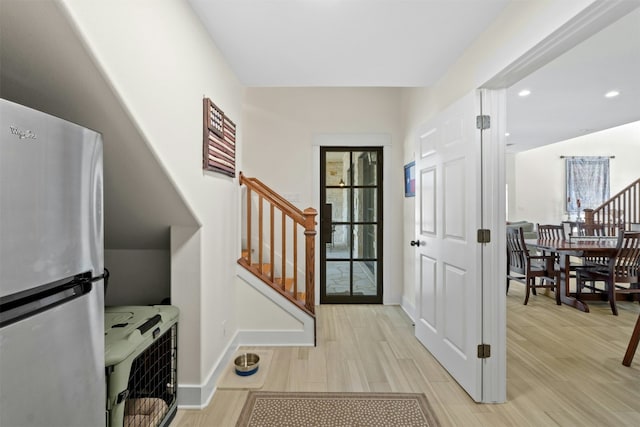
column 351, row 225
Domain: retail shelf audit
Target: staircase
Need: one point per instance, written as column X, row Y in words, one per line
column 279, row 243
column 620, row 211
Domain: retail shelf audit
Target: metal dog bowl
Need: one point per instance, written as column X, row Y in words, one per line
column 246, row 364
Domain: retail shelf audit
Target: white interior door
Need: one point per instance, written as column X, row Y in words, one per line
column 448, row 215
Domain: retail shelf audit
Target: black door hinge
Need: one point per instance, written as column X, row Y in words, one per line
column 484, row 235
column 484, row 351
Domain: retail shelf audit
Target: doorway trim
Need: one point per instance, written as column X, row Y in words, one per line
column 356, row 140
column 494, row 300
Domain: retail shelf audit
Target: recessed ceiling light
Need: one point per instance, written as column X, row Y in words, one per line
column 611, row 94
column 507, row 134
column 524, row 92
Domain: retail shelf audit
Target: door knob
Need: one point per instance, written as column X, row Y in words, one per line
column 415, row 243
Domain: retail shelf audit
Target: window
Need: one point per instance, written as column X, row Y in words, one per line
column 587, row 183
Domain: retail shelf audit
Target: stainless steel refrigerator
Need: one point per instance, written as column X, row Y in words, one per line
column 51, row 272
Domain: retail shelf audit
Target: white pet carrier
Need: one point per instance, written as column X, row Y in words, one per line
column 141, row 348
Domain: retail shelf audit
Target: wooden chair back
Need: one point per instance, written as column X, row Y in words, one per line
column 516, row 250
column 550, row 232
column 625, row 266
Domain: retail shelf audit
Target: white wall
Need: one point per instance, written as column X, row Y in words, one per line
column 265, row 318
column 137, row 277
column 161, row 62
column 539, row 175
column 254, row 313
column 278, row 137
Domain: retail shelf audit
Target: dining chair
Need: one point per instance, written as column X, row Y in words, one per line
column 550, row 232
column 555, row 232
column 623, row 267
column 525, row 268
column 597, row 230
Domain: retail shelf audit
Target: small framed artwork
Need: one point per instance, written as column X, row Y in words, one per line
column 410, row 179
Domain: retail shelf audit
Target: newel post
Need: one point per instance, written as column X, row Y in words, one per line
column 310, row 236
column 588, row 216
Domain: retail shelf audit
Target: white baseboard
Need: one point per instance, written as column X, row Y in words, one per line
column 409, row 308
column 276, row 338
column 198, row 396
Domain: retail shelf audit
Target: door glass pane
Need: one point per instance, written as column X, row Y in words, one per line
column 340, row 246
column 340, row 205
column 364, row 241
column 365, row 277
column 365, row 204
column 337, row 168
column 338, row 278
column 364, row 168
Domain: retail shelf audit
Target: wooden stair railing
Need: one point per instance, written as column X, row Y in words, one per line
column 282, row 276
column 620, row 211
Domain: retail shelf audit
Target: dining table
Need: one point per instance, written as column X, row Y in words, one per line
column 576, row 247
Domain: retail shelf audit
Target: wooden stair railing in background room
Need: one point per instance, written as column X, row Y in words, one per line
column 266, row 271
column 620, row 211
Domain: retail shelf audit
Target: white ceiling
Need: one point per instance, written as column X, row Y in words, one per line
column 344, row 42
column 409, row 43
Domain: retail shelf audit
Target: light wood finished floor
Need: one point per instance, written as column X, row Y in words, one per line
column 564, row 366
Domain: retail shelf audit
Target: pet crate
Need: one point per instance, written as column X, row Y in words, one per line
column 141, row 348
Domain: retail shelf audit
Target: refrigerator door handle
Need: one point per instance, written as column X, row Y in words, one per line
column 104, row 276
column 15, row 309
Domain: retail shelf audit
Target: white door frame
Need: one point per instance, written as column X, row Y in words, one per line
column 494, row 300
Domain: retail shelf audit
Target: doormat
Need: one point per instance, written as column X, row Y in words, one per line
column 231, row 380
column 278, row 409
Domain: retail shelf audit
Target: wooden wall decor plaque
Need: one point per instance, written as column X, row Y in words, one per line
column 219, row 140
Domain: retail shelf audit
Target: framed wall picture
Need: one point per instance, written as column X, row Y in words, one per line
column 410, row 179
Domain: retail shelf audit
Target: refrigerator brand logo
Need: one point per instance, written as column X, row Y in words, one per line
column 22, row 134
